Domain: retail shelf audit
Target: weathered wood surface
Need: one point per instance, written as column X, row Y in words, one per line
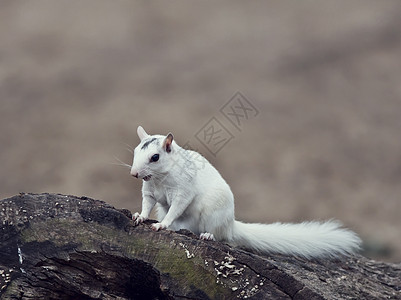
column 66, row 247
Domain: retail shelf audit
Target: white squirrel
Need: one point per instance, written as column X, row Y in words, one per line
column 190, row 193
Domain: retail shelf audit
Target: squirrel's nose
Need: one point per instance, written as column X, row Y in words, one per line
column 134, row 173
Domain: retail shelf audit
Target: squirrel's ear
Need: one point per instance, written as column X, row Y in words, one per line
column 167, row 142
column 141, row 133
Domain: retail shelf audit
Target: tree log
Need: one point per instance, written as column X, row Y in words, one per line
column 65, row 247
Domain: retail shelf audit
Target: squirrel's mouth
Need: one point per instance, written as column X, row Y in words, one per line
column 147, row 177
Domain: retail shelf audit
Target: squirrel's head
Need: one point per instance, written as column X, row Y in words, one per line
column 151, row 156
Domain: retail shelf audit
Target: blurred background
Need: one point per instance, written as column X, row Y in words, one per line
column 78, row 77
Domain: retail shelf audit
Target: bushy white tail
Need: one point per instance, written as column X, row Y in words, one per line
column 307, row 239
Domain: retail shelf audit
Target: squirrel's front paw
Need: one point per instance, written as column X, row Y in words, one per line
column 158, row 226
column 138, row 219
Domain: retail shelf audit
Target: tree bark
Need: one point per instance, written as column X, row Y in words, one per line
column 65, row 247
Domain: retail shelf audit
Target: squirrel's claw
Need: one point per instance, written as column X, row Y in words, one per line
column 138, row 219
column 158, row 226
column 207, row 236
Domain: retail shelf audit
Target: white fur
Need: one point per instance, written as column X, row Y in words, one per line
column 190, row 193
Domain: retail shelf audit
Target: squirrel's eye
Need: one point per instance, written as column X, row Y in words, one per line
column 154, row 158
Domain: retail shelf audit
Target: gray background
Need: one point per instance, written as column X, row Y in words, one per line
column 78, row 77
